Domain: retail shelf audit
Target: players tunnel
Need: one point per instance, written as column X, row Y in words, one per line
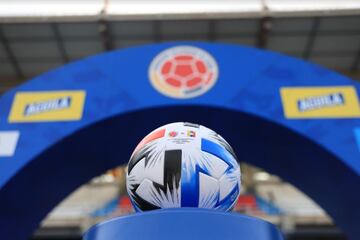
column 37, row 188
column 291, row 118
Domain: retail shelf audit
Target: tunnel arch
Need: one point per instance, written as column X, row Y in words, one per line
column 79, row 158
column 57, row 153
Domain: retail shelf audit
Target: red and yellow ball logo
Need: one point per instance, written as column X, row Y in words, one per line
column 183, row 72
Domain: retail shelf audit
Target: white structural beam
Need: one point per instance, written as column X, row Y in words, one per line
column 48, row 10
column 313, row 7
column 183, row 9
column 81, row 10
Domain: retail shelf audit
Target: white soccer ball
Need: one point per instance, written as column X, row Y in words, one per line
column 183, row 165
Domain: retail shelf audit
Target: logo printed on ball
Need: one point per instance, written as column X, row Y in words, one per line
column 191, row 133
column 173, row 134
column 183, row 72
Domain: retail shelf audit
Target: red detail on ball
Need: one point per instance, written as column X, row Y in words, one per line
column 151, row 137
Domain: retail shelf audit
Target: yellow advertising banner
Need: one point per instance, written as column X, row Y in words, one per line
column 320, row 102
column 47, row 106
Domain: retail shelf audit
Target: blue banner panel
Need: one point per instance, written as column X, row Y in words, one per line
column 292, row 118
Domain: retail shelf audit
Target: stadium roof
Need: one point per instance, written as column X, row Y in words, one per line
column 36, row 36
column 77, row 10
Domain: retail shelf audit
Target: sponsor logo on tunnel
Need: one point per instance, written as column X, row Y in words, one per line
column 323, row 101
column 320, row 102
column 47, row 106
column 183, row 72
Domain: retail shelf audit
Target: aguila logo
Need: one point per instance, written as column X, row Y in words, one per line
column 183, row 72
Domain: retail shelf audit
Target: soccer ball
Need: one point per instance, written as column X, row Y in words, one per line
column 183, row 165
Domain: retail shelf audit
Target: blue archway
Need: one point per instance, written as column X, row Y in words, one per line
column 292, row 118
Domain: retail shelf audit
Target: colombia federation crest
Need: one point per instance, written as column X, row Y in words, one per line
column 183, row 72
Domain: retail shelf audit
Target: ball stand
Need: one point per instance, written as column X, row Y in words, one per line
column 184, row 224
